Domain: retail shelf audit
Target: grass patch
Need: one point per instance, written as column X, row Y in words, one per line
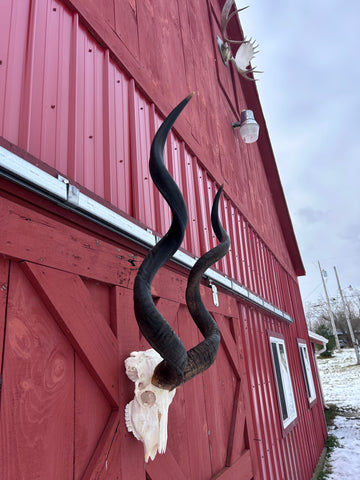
column 322, row 475
column 330, row 413
column 331, row 443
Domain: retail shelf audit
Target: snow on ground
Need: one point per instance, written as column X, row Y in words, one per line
column 340, row 378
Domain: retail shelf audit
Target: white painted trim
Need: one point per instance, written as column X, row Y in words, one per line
column 316, row 338
column 24, row 170
column 21, row 171
column 286, row 381
column 308, row 376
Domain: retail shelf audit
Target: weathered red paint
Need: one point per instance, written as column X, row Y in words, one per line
column 83, row 88
column 51, row 300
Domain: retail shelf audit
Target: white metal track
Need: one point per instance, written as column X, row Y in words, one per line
column 62, row 192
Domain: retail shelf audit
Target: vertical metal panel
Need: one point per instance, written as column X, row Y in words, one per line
column 242, row 248
column 202, row 208
column 116, row 156
column 228, row 262
column 272, row 278
column 270, row 285
column 240, row 231
column 260, row 258
column 210, row 192
column 162, row 210
column 55, row 65
column 73, row 104
column 14, row 18
column 254, row 259
column 261, row 248
column 247, row 253
column 234, row 248
column 90, row 59
column 276, row 282
column 32, row 92
column 258, row 403
column 143, row 192
column 192, row 235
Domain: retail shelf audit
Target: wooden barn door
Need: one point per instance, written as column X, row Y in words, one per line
column 59, row 413
column 66, row 326
column 209, row 430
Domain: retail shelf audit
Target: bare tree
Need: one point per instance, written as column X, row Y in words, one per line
column 317, row 313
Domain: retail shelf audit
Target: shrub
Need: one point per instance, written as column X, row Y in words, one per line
column 324, row 331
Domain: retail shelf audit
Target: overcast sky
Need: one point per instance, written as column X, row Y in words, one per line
column 309, row 52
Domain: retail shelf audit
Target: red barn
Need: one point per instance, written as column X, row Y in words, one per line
column 83, row 87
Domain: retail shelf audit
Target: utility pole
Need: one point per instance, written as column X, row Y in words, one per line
column 332, row 320
column 347, row 314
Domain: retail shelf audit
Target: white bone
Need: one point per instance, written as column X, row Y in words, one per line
column 244, row 55
column 247, row 49
column 146, row 415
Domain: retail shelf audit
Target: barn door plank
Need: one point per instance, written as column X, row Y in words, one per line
column 198, row 448
column 37, row 403
column 128, row 451
column 165, row 467
column 92, row 419
column 4, row 285
column 101, row 465
column 229, row 344
column 220, row 385
column 242, row 468
column 225, row 410
column 174, row 464
column 118, row 454
column 69, row 301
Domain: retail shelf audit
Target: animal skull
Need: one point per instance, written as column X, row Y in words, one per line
column 146, row 415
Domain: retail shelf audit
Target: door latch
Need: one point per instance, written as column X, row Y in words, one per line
column 214, row 293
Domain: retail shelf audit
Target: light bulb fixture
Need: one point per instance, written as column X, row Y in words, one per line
column 249, row 128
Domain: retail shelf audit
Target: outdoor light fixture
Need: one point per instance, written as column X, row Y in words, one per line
column 249, row 128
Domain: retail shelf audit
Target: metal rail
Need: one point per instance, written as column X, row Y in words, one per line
column 60, row 191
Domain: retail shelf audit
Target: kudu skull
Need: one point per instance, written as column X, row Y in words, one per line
column 146, row 416
column 174, row 365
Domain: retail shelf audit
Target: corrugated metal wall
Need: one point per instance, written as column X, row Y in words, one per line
column 64, row 100
column 292, row 455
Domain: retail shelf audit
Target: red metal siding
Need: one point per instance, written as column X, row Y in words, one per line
column 94, row 126
column 69, row 104
column 295, row 454
column 192, row 236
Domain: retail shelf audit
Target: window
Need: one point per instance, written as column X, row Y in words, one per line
column 283, row 380
column 309, row 381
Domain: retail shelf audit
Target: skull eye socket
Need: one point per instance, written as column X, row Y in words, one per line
column 148, row 398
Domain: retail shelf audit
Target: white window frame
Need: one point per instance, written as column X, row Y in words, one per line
column 308, row 376
column 283, row 381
